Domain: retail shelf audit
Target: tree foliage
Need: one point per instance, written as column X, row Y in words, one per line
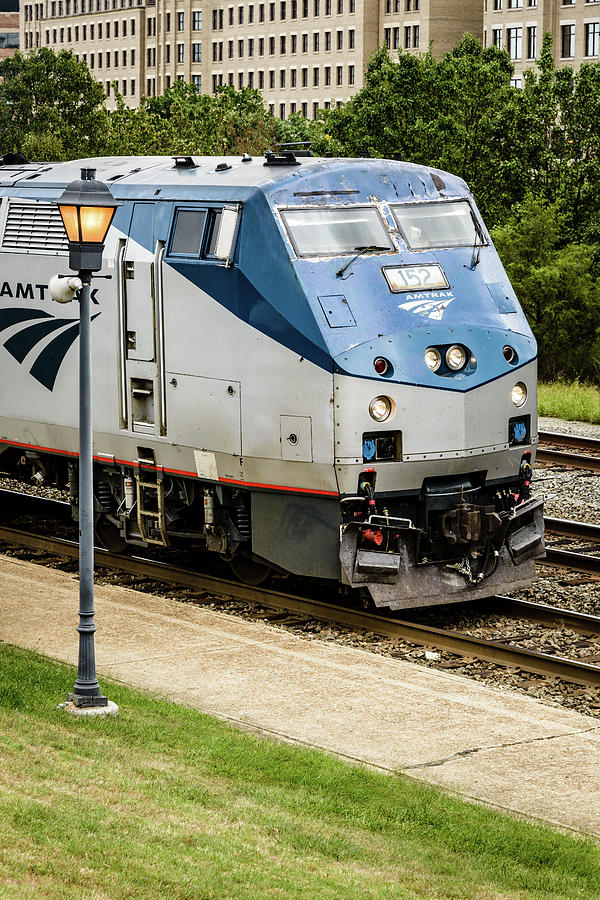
column 556, row 286
column 50, row 106
column 183, row 120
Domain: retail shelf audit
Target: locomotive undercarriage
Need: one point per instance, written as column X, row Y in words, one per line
column 145, row 506
column 458, row 537
column 150, row 507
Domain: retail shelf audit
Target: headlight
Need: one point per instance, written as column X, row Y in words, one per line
column 519, row 394
column 433, row 359
column 380, row 408
column 456, row 357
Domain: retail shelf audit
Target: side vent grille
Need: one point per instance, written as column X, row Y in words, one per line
column 34, row 227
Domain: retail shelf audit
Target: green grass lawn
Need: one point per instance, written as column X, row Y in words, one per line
column 572, row 401
column 164, row 802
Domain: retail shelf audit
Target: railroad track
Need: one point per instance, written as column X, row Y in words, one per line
column 579, row 562
column 570, row 559
column 283, row 605
column 573, row 441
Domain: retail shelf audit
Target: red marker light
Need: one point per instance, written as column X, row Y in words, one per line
column 381, row 365
column 376, row 537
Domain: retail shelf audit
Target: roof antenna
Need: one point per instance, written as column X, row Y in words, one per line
column 293, row 145
column 184, row 162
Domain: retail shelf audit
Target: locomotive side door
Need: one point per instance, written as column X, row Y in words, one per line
column 137, row 321
column 201, row 383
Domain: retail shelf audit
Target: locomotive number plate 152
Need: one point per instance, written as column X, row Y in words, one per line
column 427, row 277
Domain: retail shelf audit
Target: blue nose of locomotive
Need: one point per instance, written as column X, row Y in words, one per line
column 457, row 358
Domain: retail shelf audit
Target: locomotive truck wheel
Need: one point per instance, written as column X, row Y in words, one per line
column 108, row 536
column 249, row 571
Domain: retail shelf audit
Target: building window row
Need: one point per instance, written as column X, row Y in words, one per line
column 393, row 6
column 286, row 44
column 292, row 78
column 180, row 54
column 514, row 40
column 513, row 4
column 279, row 11
column 529, row 4
column 410, row 37
column 591, row 40
column 59, row 8
column 93, row 31
column 75, row 34
column 302, row 107
column 108, row 86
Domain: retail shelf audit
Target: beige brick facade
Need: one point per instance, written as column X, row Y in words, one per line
column 417, row 25
column 303, row 55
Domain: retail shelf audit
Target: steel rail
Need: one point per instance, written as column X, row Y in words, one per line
column 548, row 615
column 568, row 559
column 575, row 460
column 424, row 635
column 573, row 528
column 578, row 441
column 575, row 441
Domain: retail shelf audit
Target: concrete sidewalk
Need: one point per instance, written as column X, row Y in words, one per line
column 506, row 750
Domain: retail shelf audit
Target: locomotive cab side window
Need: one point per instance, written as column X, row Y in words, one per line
column 447, row 224
column 188, row 231
column 214, row 223
column 333, row 232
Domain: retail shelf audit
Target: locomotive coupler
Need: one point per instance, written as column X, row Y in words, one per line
column 467, row 523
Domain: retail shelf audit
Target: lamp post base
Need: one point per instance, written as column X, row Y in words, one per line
column 89, row 712
column 83, row 701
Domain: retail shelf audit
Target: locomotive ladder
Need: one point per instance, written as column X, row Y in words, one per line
column 151, row 506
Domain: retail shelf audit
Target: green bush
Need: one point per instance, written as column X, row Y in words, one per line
column 556, row 287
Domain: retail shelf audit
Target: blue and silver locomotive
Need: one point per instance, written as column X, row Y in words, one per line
column 305, row 365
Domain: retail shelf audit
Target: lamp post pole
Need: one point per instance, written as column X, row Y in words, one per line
column 86, row 692
column 87, row 208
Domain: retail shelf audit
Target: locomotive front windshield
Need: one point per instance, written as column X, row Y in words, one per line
column 331, row 232
column 427, row 225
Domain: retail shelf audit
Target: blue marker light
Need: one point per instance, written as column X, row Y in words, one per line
column 369, row 449
column 519, row 431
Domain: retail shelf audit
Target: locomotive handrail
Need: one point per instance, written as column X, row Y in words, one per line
column 122, row 334
column 160, row 335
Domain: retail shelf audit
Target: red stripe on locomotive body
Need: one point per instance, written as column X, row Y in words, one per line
column 135, row 465
column 278, row 487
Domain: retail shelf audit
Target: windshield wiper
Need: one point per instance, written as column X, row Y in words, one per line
column 478, row 243
column 361, row 250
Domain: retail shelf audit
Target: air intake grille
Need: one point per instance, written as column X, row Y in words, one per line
column 34, row 227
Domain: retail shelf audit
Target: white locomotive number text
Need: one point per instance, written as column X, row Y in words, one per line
column 415, row 278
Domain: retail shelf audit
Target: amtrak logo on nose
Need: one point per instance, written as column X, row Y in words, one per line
column 429, row 308
column 37, row 325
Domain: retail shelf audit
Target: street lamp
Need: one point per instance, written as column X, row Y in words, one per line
column 87, row 208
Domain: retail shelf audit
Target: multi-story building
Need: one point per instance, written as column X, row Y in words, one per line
column 9, row 27
column 518, row 26
column 304, row 55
